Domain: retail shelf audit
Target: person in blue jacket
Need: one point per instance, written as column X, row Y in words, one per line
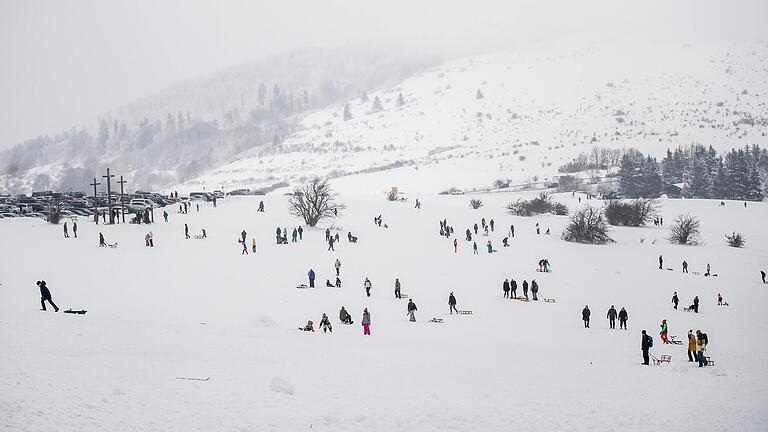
column 311, row 275
column 45, row 295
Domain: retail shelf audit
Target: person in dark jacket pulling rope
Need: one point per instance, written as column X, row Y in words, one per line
column 45, row 295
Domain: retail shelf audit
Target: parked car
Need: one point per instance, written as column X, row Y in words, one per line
column 143, row 203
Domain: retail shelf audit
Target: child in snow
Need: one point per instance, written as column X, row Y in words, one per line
column 344, row 316
column 325, row 324
column 367, row 285
column 329, row 284
column 308, row 327
column 366, row 322
column 664, row 332
column 490, row 247
column 474, row 248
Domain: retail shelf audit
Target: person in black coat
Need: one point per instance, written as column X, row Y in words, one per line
column 505, row 287
column 525, row 288
column 534, row 289
column 696, row 304
column 344, row 316
column 623, row 317
column 612, row 317
column 513, row 289
column 675, row 299
column 452, row 303
column 585, row 313
column 645, row 346
column 45, row 295
column 661, row 262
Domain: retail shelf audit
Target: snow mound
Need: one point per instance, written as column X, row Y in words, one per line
column 279, row 385
column 263, row 321
column 718, row 371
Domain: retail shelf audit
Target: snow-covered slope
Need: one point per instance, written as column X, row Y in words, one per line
column 539, row 109
column 200, row 309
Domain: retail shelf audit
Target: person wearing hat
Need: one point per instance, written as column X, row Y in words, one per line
column 45, row 295
column 366, row 322
column 691, row 346
column 412, row 310
column 452, row 303
column 664, row 331
column 325, row 324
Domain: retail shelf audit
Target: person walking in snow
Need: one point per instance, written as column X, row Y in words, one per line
column 367, row 285
column 525, row 289
column 474, row 248
column 455, row 246
column 623, row 317
column 505, row 242
column 685, row 267
column 397, row 289
column 325, row 324
column 612, row 317
column 301, row 232
column 491, row 223
column 418, row 204
column 585, row 313
column 102, row 242
column 311, row 276
column 661, row 262
column 469, row 235
column 186, row 231
column 675, row 300
column 708, row 268
column 327, row 234
column 165, row 216
column 475, row 228
column 513, row 289
column 701, row 346
column 534, row 289
column 645, row 344
column 505, row 287
column 243, row 235
column 452, row 304
column 338, row 282
column 762, row 275
column 253, row 245
column 294, row 234
column 664, row 332
column 538, row 230
column 411, row 311
column 261, row 206
column 205, row 234
column 66, row 231
column 696, row 304
column 45, row 296
column 278, row 235
column 719, row 299
column 366, row 322
column 485, row 230
column 512, row 231
column 245, row 248
column 337, row 266
column 330, row 244
column 490, row 247
column 344, row 316
column 691, row 346
column 74, row 228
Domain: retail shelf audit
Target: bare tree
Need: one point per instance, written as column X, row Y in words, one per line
column 475, row 203
column 587, row 226
column 631, row 213
column 314, row 202
column 55, row 207
column 685, row 230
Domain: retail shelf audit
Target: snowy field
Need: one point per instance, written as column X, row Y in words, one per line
column 199, row 309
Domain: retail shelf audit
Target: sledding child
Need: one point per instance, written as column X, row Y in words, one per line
column 325, row 324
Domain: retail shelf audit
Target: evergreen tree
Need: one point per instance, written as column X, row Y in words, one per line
column 697, row 180
column 364, row 97
column 400, row 100
column 479, row 94
column 720, row 182
column 376, row 107
column 347, row 112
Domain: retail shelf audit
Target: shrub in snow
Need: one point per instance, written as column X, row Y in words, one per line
column 314, row 202
column 400, row 100
column 631, row 213
column 55, row 207
column 587, row 226
column 735, row 240
column 475, row 203
column 479, row 94
column 391, row 196
column 685, row 230
column 347, row 112
column 543, row 203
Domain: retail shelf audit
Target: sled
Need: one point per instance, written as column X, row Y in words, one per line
column 689, row 309
column 710, row 362
column 674, row 341
column 302, row 286
column 193, row 379
column 544, row 271
column 114, row 245
column 523, row 299
column 663, row 359
column 403, row 296
column 670, row 269
column 465, row 312
column 201, row 237
column 79, row 312
column 436, row 320
column 549, row 300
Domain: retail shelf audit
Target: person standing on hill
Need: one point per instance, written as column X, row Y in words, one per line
column 512, row 231
column 525, row 289
column 696, row 304
column 475, row 228
column 645, row 345
column 45, row 295
column 701, row 346
column 411, row 311
column 469, row 235
column 294, row 234
column 452, row 304
column 664, row 332
column 612, row 317
column 74, row 228
column 337, row 266
column 685, row 267
column 301, row 232
column 513, row 289
column 397, row 289
column 455, row 246
column 675, row 299
column 762, row 275
column 186, row 231
column 66, row 231
column 534, row 289
column 585, row 313
column 367, row 285
column 311, row 276
column 623, row 317
column 102, row 242
column 491, row 223
column 661, row 263
column 261, row 206
column 505, row 287
column 691, row 346
column 253, row 245
column 490, row 247
column 243, row 235
column 474, row 248
column 366, row 322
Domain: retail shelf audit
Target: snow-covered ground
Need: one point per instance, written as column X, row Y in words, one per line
column 540, row 108
column 200, row 309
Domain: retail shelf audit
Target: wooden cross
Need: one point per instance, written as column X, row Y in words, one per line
column 109, row 194
column 122, row 199
column 95, row 201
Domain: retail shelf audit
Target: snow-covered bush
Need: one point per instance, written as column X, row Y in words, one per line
column 543, row 203
column 587, row 226
column 735, row 240
column 685, row 230
column 314, row 202
column 631, row 213
column 475, row 203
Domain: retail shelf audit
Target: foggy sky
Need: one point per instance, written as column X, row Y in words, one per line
column 64, row 62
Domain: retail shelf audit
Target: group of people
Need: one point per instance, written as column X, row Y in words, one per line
column 74, row 229
column 344, row 317
column 510, row 289
column 611, row 316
